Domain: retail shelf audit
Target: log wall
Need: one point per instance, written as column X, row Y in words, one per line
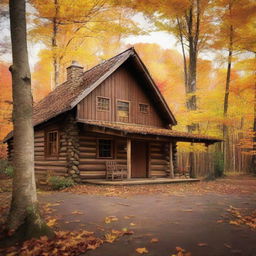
column 49, row 166
column 92, row 167
column 158, row 159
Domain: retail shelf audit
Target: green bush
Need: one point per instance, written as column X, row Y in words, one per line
column 6, row 168
column 218, row 164
column 58, row 182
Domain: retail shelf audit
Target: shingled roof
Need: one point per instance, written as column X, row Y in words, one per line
column 67, row 95
column 147, row 130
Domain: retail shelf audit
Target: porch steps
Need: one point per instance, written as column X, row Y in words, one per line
column 138, row 181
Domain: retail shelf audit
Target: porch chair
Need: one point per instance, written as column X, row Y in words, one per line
column 114, row 171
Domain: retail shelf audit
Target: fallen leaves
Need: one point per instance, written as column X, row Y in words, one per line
column 64, row 243
column 115, row 234
column 221, row 186
column 110, row 219
column 242, row 217
column 154, row 240
column 52, row 222
column 77, row 212
column 142, row 250
column 202, row 244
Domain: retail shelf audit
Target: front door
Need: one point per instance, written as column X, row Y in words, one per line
column 139, row 159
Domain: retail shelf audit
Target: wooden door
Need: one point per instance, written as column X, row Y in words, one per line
column 139, row 159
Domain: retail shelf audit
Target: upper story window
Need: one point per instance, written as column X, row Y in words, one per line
column 52, row 143
column 123, row 111
column 105, row 148
column 103, row 103
column 144, row 108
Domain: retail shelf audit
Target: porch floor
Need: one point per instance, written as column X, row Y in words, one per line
column 138, row 181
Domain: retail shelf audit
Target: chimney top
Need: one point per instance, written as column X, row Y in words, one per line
column 74, row 71
column 74, row 63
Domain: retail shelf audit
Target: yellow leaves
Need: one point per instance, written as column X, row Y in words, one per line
column 110, row 219
column 132, row 224
column 51, row 222
column 142, row 250
column 77, row 212
column 110, row 238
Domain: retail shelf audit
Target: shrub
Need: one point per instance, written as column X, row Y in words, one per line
column 218, row 164
column 6, row 168
column 58, row 182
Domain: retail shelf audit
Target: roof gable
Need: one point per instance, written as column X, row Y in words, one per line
column 67, row 95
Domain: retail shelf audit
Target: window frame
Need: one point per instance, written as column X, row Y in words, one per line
column 112, row 148
column 129, row 110
column 103, row 110
column 145, row 104
column 47, row 143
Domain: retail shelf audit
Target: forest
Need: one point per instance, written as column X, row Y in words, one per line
column 205, row 68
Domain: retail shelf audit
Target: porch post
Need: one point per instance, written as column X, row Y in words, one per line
column 129, row 158
column 171, row 161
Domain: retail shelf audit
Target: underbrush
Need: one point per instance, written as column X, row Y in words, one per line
column 6, row 168
column 59, row 182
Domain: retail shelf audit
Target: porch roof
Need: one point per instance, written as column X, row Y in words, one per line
column 149, row 130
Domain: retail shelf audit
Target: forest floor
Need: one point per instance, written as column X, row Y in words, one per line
column 205, row 218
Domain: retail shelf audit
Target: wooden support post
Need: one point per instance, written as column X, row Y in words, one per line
column 171, row 161
column 129, row 158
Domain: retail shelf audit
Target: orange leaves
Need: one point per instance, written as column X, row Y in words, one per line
column 246, row 218
column 142, row 250
column 110, row 219
column 64, row 243
column 115, row 234
column 154, row 240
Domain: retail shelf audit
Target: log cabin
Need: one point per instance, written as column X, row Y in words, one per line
column 113, row 111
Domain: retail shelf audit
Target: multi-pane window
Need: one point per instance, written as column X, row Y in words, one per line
column 52, row 143
column 105, row 148
column 103, row 104
column 123, row 111
column 144, row 108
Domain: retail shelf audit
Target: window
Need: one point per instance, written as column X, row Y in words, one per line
column 123, row 111
column 52, row 143
column 103, row 104
column 105, row 148
column 144, row 108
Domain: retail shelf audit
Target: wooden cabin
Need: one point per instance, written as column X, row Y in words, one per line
column 114, row 111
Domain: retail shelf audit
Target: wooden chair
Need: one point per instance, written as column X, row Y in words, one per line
column 114, row 171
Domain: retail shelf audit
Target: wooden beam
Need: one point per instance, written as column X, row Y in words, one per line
column 129, row 158
column 171, row 161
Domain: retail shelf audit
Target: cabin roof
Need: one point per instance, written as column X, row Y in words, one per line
column 67, row 95
column 149, row 130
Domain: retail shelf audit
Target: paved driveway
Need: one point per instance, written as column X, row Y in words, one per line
column 199, row 223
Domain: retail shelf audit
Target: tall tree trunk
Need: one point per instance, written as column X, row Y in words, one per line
column 254, row 128
column 226, row 148
column 24, row 214
column 55, row 45
column 193, row 29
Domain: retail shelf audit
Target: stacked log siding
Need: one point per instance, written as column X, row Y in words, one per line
column 92, row 167
column 49, row 166
column 159, row 161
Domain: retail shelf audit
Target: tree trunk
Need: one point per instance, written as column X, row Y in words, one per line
column 193, row 28
column 24, row 217
column 54, row 45
column 226, row 148
column 254, row 130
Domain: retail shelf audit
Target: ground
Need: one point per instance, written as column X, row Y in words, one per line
column 207, row 218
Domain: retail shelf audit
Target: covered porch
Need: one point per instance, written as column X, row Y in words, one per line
column 148, row 154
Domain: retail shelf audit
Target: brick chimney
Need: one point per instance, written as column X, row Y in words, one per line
column 74, row 71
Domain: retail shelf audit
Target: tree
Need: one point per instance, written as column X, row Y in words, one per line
column 233, row 15
column 24, row 217
column 65, row 27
